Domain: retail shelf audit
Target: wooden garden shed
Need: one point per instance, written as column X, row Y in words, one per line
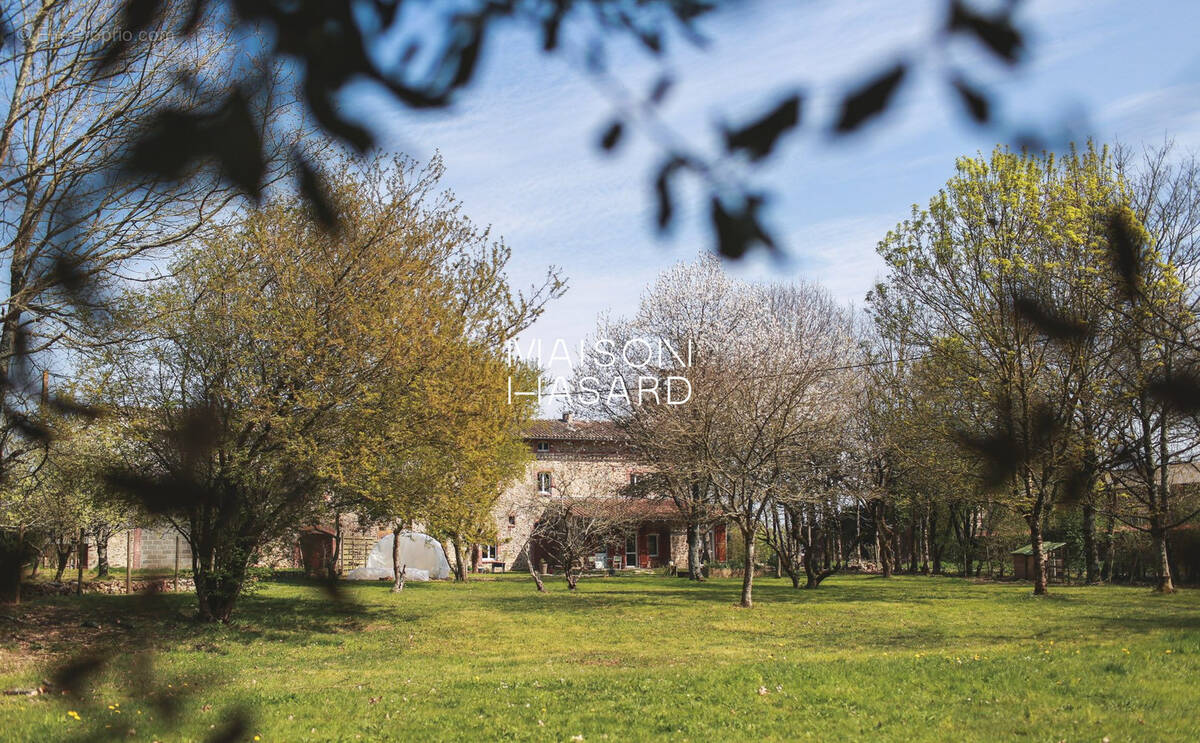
column 1056, row 563
column 316, row 545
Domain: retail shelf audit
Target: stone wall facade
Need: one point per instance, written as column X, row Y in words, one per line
column 573, row 469
column 152, row 547
column 577, row 459
column 588, row 459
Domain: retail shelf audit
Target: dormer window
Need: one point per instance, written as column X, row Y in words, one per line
column 634, row 477
column 543, row 447
column 543, row 482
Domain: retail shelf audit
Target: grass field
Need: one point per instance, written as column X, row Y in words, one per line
column 861, row 658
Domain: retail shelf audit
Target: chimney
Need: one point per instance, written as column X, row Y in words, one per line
column 568, row 416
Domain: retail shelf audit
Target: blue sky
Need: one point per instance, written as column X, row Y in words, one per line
column 520, row 147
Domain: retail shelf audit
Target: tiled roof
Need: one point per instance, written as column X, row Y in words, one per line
column 1046, row 548
column 635, row 508
column 555, row 429
column 319, row 529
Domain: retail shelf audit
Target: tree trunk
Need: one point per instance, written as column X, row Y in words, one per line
column 1110, row 543
column 332, row 559
column 572, row 577
column 1091, row 554
column 858, row 531
column 695, row 564
column 748, row 570
column 813, row 576
column 894, row 547
column 1162, row 573
column 883, row 541
column 842, row 558
column 80, row 559
column 827, row 546
column 1039, row 559
column 460, row 568
column 217, row 596
column 1159, row 514
column 217, row 588
column 925, row 527
column 397, row 568
column 101, row 536
column 537, row 579
column 963, row 519
column 63, row 556
column 914, row 559
column 878, row 546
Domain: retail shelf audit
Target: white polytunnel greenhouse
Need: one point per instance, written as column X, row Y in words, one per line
column 421, row 556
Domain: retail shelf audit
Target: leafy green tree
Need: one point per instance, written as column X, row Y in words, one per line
column 445, row 456
column 1155, row 362
column 1003, row 280
column 79, row 460
column 282, row 361
column 58, row 496
column 486, row 451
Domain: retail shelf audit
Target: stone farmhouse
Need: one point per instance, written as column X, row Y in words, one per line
column 571, row 458
column 587, row 459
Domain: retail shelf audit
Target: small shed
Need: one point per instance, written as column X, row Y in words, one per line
column 1056, row 564
column 317, row 545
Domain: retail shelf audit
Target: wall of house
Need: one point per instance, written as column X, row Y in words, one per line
column 152, row 547
column 666, row 552
column 577, row 468
column 679, row 550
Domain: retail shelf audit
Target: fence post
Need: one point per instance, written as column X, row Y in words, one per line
column 80, row 558
column 128, row 560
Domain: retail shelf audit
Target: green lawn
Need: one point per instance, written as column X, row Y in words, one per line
column 630, row 659
column 115, row 574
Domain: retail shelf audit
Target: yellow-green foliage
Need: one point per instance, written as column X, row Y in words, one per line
column 285, row 365
column 1005, row 285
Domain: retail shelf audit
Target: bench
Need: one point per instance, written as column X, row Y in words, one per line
column 499, row 565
